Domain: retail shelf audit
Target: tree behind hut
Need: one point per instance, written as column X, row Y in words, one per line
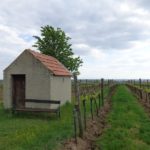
column 55, row 42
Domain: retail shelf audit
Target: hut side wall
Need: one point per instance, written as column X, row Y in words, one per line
column 37, row 80
column 62, row 92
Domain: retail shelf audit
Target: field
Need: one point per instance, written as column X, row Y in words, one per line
column 126, row 127
column 37, row 131
column 28, row 131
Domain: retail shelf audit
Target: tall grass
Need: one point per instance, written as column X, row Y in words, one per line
column 36, row 132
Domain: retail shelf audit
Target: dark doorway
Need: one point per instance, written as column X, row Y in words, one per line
column 18, row 91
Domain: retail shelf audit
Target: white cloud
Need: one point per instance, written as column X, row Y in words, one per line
column 111, row 36
column 129, row 63
column 11, row 45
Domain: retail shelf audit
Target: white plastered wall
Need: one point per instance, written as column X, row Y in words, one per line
column 37, row 80
column 61, row 89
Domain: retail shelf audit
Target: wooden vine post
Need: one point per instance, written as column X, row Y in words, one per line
column 77, row 104
column 102, row 91
column 108, row 82
column 140, row 82
column 147, row 84
column 75, row 124
column 84, row 108
column 134, row 82
column 99, row 99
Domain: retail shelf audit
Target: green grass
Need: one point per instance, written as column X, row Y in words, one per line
column 37, row 131
column 129, row 125
column 24, row 131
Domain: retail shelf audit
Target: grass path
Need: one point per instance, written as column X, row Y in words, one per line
column 129, row 125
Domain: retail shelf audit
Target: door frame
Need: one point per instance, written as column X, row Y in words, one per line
column 13, row 91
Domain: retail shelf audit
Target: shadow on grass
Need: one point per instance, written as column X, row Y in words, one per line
column 29, row 115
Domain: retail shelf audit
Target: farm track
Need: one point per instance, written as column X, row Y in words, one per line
column 95, row 129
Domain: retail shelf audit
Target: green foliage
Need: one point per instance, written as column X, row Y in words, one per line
column 129, row 125
column 55, row 42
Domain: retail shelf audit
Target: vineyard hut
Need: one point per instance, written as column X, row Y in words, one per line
column 35, row 76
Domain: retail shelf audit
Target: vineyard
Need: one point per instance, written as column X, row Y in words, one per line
column 103, row 114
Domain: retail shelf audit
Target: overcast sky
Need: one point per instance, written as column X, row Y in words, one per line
column 111, row 36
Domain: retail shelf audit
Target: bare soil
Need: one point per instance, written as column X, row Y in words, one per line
column 95, row 128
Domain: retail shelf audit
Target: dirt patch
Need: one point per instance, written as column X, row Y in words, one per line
column 95, row 128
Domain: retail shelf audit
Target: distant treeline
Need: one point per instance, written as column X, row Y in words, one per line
column 91, row 81
column 87, row 80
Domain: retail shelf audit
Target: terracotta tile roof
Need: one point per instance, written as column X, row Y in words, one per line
column 51, row 63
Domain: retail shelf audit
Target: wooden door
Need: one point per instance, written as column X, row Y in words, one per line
column 18, row 91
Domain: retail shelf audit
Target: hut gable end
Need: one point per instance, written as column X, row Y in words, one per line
column 15, row 61
column 51, row 63
column 25, row 62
